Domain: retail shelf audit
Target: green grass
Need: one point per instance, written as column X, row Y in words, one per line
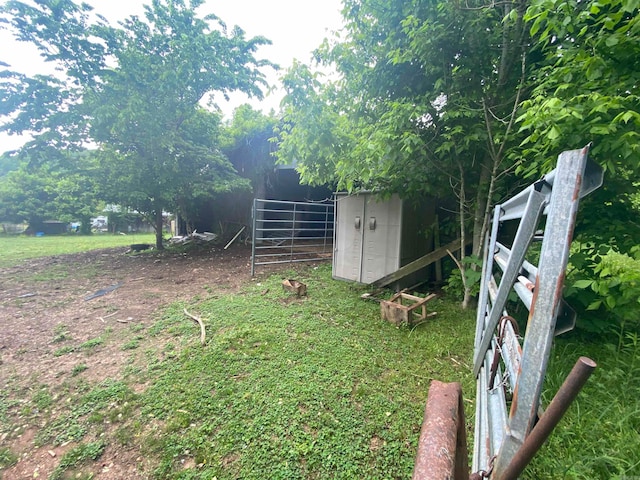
column 317, row 387
column 87, row 346
column 76, row 457
column 18, row 248
column 78, row 369
column 599, row 437
column 7, row 458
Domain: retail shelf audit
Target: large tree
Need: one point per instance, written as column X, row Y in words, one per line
column 426, row 100
column 586, row 90
column 247, row 143
column 137, row 92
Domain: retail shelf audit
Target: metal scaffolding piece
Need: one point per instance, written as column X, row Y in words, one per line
column 510, row 373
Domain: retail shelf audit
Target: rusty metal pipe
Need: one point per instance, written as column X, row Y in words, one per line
column 563, row 398
column 442, row 449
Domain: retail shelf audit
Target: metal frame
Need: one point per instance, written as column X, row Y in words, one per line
column 291, row 232
column 509, row 376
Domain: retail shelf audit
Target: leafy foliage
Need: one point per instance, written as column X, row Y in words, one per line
column 425, row 104
column 76, row 456
column 586, row 89
column 63, row 188
column 246, row 141
column 597, row 437
column 135, row 91
column 611, row 294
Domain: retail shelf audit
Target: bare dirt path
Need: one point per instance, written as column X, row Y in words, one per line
column 43, row 306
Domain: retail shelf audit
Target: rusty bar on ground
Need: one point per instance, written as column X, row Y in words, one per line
column 442, row 449
column 567, row 393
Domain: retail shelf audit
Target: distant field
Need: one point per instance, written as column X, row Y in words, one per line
column 14, row 249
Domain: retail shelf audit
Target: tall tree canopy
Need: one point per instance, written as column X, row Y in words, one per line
column 248, row 146
column 434, row 95
column 426, row 100
column 137, row 92
column 587, row 89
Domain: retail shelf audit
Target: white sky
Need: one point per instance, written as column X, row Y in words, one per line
column 296, row 28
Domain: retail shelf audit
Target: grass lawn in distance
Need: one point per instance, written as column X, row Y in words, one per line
column 14, row 249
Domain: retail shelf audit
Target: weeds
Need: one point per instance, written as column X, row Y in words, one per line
column 63, row 351
column 317, row 387
column 91, row 344
column 133, row 343
column 78, row 369
column 298, row 388
column 599, row 435
column 42, row 399
column 7, row 458
column 61, row 333
column 109, row 400
column 87, row 346
column 77, row 456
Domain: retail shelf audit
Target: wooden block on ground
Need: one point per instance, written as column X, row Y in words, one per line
column 294, row 286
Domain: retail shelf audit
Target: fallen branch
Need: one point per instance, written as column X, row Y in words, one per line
column 200, row 322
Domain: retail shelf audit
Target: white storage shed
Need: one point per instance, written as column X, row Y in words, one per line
column 375, row 237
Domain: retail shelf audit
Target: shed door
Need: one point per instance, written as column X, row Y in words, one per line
column 382, row 228
column 347, row 255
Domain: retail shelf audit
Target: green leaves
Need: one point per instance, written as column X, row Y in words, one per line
column 55, row 190
column 613, row 287
column 586, row 88
column 135, row 92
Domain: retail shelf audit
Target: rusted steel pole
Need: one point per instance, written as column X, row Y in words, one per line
column 567, row 393
column 442, row 450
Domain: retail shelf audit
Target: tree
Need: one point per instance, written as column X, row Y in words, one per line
column 50, row 191
column 136, row 91
column 587, row 91
column 587, row 88
column 247, row 144
column 427, row 99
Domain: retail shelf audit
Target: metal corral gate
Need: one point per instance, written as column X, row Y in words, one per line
column 510, row 425
column 510, row 376
column 286, row 232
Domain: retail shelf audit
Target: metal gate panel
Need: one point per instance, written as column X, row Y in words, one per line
column 510, row 375
column 288, row 232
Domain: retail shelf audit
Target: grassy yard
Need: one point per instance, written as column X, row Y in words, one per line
column 312, row 388
column 15, row 248
column 317, row 387
column 599, row 437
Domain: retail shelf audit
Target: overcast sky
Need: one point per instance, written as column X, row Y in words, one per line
column 296, row 28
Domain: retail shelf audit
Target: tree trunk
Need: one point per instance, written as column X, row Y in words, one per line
column 462, row 199
column 158, row 227
column 480, row 211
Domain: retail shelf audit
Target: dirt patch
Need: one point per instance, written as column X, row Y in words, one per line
column 49, row 332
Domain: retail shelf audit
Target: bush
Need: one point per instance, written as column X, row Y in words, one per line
column 607, row 288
